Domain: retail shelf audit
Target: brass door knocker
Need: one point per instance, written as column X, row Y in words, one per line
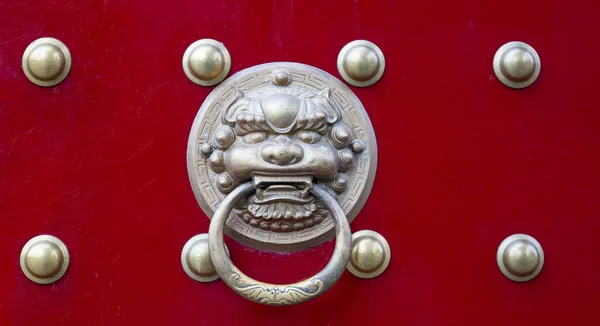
column 281, row 156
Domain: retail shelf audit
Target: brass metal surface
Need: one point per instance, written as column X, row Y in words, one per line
column 195, row 259
column 517, row 64
column 273, row 294
column 46, row 61
column 285, row 127
column 370, row 254
column 520, row 257
column 361, row 63
column 44, row 259
column 206, row 62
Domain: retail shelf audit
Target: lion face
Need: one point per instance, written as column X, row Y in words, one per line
column 284, row 142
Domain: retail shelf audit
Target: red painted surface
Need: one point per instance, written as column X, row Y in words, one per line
column 99, row 161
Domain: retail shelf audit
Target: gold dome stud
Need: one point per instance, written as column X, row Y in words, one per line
column 206, row 62
column 44, row 259
column 370, row 254
column 195, row 259
column 46, row 61
column 361, row 63
column 520, row 257
column 517, row 64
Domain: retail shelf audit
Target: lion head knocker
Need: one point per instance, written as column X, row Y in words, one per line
column 284, row 140
column 284, row 137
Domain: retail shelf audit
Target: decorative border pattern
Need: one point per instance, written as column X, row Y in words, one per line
column 275, row 295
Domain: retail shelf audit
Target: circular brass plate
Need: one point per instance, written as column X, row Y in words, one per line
column 206, row 62
column 46, row 61
column 195, row 259
column 209, row 173
column 44, row 259
column 520, row 257
column 370, row 254
column 517, row 64
column 361, row 63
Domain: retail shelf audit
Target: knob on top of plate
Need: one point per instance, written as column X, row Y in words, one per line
column 46, row 61
column 361, row 63
column 520, row 257
column 206, row 62
column 370, row 254
column 44, row 259
column 517, row 64
column 195, row 259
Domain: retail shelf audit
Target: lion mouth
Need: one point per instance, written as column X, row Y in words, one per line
column 282, row 204
column 265, row 180
column 282, row 193
column 276, row 189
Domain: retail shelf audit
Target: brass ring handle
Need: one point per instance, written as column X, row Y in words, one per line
column 284, row 294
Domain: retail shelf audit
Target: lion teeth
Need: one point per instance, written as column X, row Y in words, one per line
column 304, row 193
column 260, row 193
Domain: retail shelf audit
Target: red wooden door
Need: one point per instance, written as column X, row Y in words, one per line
column 100, row 161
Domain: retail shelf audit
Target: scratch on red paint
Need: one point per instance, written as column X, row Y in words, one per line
column 140, row 150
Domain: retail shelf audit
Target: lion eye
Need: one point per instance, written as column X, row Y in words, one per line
column 309, row 137
column 255, row 137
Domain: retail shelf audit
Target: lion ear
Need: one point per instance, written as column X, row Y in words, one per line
column 336, row 112
column 238, row 102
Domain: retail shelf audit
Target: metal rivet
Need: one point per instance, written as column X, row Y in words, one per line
column 517, row 64
column 361, row 63
column 281, row 77
column 46, row 61
column 206, row 62
column 370, row 254
column 520, row 257
column 44, row 259
column 195, row 259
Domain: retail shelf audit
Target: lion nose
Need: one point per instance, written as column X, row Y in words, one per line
column 282, row 152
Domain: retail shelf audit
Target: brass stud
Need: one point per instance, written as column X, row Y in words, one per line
column 195, row 259
column 370, row 254
column 517, row 64
column 206, row 62
column 44, row 259
column 361, row 63
column 46, row 61
column 520, row 257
